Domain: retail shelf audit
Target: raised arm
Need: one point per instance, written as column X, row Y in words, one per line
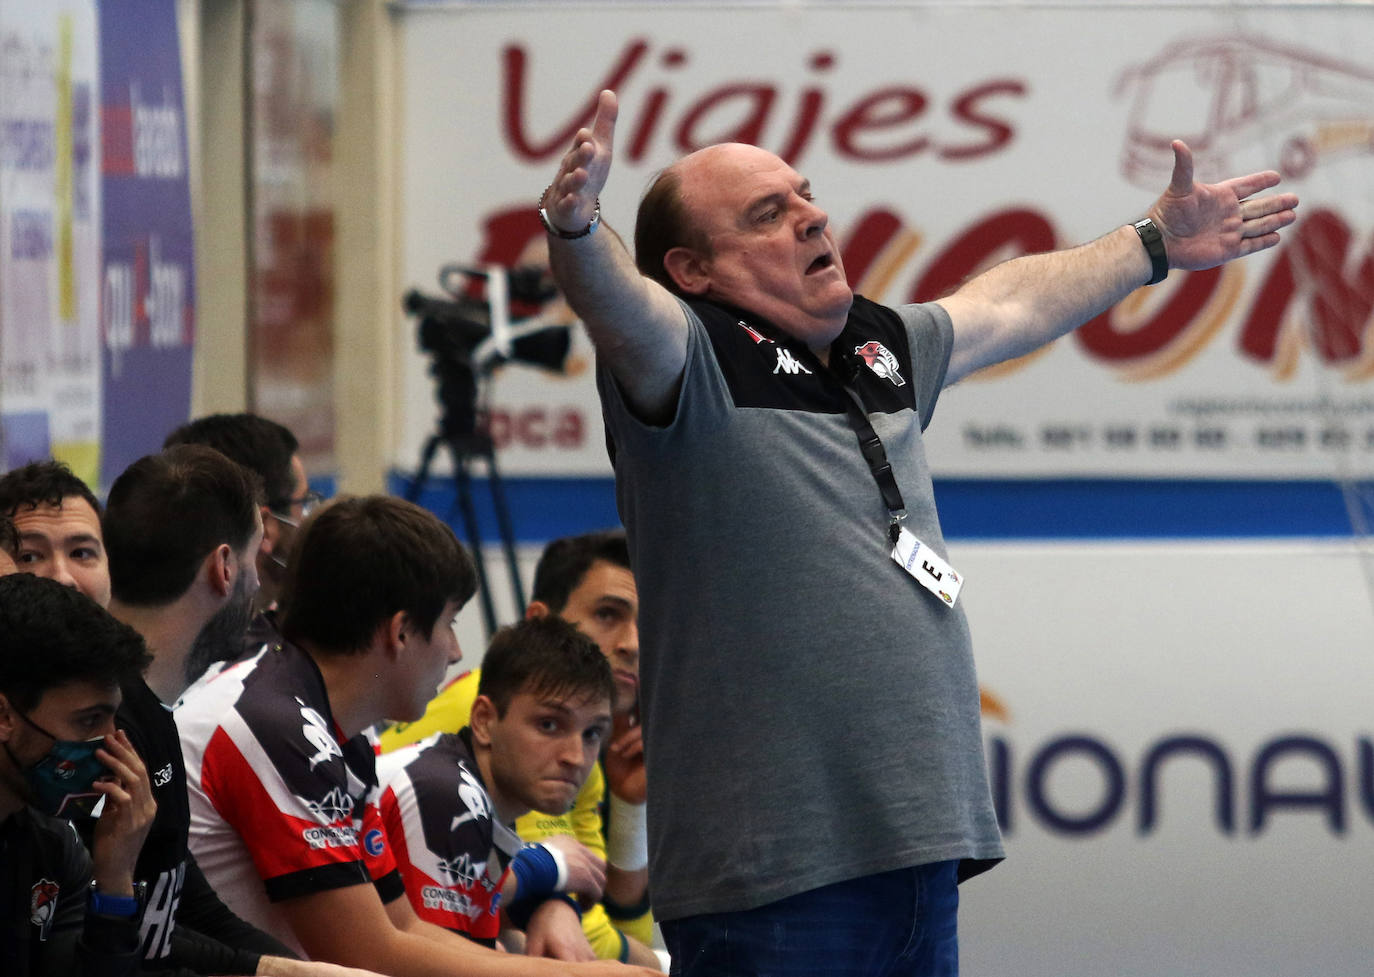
column 638, row 328
column 1022, row 304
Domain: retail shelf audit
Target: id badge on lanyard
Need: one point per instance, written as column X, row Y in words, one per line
column 926, row 567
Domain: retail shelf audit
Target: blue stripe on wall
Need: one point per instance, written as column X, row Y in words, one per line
column 543, row 508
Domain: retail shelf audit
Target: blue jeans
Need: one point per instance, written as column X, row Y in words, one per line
column 896, row 924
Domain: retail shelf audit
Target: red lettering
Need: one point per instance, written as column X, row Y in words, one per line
column 529, row 427
column 569, row 431
column 1106, row 338
column 533, row 428
column 966, row 109
column 514, row 102
column 653, row 108
column 884, row 109
column 757, row 102
column 1003, row 235
column 872, row 233
column 499, row 427
column 877, row 127
column 1313, row 266
column 808, row 113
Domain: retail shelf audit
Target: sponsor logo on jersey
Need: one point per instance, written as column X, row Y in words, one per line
column 334, row 836
column 337, row 805
column 43, row 905
column 462, row 869
column 881, row 361
column 374, row 842
column 163, row 777
column 787, row 363
column 754, row 334
column 449, row 901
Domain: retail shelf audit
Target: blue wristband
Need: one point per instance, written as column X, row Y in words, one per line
column 536, row 873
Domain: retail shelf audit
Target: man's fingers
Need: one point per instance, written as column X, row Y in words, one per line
column 1181, row 182
column 1266, row 206
column 1244, row 186
column 607, row 108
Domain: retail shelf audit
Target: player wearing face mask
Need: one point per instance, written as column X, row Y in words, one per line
column 62, row 659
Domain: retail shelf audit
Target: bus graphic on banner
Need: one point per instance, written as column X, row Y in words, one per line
column 1230, row 98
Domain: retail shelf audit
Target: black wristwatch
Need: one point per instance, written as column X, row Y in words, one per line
column 1154, row 247
column 121, row 907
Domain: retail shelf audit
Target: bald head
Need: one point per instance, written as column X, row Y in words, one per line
column 737, row 225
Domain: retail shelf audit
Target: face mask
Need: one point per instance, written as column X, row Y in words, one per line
column 62, row 780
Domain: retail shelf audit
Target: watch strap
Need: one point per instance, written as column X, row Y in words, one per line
column 1154, row 247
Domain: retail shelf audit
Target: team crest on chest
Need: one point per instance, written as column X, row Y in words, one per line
column 43, row 906
column 881, row 361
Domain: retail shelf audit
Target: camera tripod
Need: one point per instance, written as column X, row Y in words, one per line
column 466, row 443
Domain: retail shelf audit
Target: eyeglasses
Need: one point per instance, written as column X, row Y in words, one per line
column 307, row 502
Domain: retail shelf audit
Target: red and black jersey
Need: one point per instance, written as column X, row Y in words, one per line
column 281, row 804
column 448, row 846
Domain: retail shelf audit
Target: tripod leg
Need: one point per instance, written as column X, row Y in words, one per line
column 422, row 473
column 463, row 501
column 503, row 523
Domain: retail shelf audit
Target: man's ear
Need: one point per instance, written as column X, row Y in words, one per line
column 393, row 633
column 271, row 531
column 537, row 609
column 688, row 270
column 219, row 569
column 9, row 719
column 483, row 715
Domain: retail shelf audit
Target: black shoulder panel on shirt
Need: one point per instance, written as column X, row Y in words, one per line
column 765, row 367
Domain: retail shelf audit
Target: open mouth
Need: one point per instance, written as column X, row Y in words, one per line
column 820, row 264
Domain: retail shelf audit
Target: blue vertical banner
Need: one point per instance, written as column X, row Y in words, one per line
column 148, row 275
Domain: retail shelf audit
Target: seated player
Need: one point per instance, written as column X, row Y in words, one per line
column 272, row 452
column 586, row 580
column 542, row 712
column 62, row 659
column 58, row 519
column 283, row 781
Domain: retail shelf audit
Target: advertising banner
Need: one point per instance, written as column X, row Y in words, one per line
column 941, row 139
column 49, row 233
column 148, row 292
column 1181, row 757
column 295, row 74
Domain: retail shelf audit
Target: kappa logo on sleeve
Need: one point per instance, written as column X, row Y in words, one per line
column 881, row 361
column 317, row 733
column 473, row 798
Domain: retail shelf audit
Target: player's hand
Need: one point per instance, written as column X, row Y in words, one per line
column 555, row 930
column 282, row 967
column 624, row 763
column 1206, row 224
column 125, row 817
column 586, row 871
column 571, row 199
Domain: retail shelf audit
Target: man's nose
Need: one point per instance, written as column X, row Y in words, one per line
column 61, row 571
column 574, row 753
column 813, row 220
